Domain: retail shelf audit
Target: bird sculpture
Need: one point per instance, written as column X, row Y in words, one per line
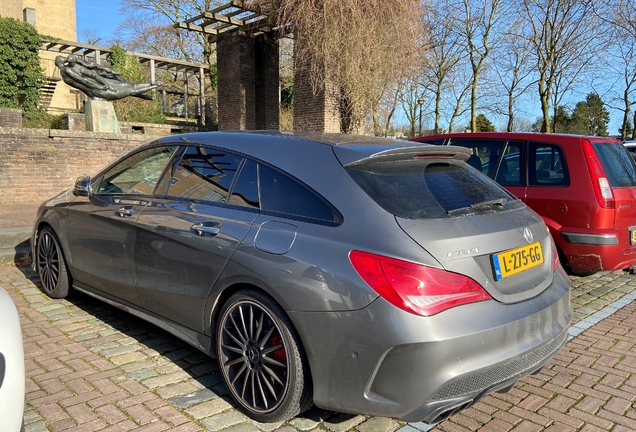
column 99, row 82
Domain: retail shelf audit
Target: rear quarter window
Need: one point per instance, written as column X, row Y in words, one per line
column 618, row 164
column 429, row 190
column 282, row 194
column 547, row 165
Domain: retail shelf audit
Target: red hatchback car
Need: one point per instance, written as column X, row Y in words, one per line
column 583, row 187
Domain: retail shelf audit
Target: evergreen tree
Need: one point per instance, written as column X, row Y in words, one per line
column 562, row 121
column 590, row 117
column 483, row 124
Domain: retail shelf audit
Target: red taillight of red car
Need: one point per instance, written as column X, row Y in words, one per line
column 416, row 288
column 602, row 189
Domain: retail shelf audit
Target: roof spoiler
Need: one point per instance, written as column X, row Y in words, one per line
column 416, row 152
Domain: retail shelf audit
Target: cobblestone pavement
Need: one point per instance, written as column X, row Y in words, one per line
column 91, row 367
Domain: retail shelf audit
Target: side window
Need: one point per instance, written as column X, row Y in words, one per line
column 245, row 190
column 546, row 166
column 485, row 153
column 205, row 174
column 282, row 194
column 510, row 172
column 137, row 174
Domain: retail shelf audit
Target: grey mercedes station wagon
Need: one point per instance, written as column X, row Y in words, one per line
column 358, row 274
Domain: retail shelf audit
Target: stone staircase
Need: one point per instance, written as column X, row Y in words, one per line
column 47, row 91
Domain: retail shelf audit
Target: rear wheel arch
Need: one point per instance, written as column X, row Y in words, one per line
column 228, row 292
column 232, row 289
column 298, row 397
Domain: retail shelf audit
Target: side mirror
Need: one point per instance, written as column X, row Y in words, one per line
column 83, row 187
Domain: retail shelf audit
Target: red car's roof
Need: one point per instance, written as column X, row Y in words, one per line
column 515, row 135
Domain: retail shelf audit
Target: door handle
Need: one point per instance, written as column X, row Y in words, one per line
column 206, row 230
column 124, row 212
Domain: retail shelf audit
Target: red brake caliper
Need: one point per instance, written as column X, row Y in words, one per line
column 280, row 353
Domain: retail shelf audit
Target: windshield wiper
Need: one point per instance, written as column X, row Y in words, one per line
column 493, row 202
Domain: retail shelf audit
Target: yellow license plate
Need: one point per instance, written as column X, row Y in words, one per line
column 632, row 237
column 517, row 260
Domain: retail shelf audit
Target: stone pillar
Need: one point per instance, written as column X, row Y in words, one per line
column 236, row 76
column 315, row 109
column 101, row 117
column 267, row 82
column 29, row 16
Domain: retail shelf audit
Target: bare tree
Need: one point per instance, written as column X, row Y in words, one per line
column 89, row 37
column 621, row 15
column 149, row 25
column 444, row 52
column 563, row 37
column 513, row 70
column 460, row 86
column 479, row 24
column 383, row 107
column 354, row 46
column 149, row 28
column 410, row 96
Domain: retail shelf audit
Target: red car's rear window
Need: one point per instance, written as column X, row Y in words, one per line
column 618, row 164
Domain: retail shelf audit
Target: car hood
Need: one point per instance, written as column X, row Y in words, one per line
column 466, row 245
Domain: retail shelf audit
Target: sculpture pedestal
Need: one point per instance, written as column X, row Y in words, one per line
column 100, row 116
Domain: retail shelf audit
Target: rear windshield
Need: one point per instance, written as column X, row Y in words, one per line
column 618, row 164
column 431, row 190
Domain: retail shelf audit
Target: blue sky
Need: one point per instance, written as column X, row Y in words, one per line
column 100, row 17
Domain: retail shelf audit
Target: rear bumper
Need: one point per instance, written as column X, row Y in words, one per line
column 592, row 239
column 383, row 361
column 593, row 252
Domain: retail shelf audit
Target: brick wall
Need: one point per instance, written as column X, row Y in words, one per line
column 267, row 82
column 36, row 164
column 315, row 109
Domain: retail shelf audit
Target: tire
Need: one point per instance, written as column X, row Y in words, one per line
column 261, row 358
column 51, row 266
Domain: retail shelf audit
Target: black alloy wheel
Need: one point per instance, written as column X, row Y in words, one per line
column 51, row 265
column 259, row 357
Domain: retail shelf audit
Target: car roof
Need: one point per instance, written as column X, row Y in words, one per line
column 334, row 139
column 286, row 148
column 297, row 153
column 517, row 135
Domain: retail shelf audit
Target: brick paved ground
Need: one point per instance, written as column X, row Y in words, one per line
column 91, row 367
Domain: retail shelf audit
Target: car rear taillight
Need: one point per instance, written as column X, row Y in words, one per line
column 415, row 288
column 602, row 189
